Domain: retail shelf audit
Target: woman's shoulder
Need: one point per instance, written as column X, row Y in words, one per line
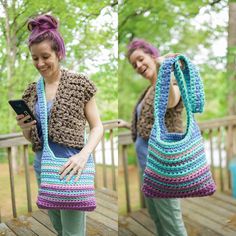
column 76, row 79
column 74, row 76
column 31, row 89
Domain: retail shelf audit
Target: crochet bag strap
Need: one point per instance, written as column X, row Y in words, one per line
column 162, row 92
column 194, row 84
column 190, row 84
column 43, row 111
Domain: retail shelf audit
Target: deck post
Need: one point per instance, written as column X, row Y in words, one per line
column 27, row 179
column 13, row 199
column 125, row 166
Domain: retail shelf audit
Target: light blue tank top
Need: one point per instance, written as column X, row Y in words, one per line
column 141, row 145
column 59, row 150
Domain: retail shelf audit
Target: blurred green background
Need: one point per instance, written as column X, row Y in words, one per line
column 199, row 29
column 89, row 29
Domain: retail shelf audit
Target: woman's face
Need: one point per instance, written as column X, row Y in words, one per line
column 144, row 64
column 45, row 59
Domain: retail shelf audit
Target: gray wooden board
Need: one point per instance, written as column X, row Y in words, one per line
column 38, row 228
column 125, row 232
column 5, row 231
column 106, row 221
column 210, row 205
column 145, row 211
column 222, row 204
column 193, row 227
column 106, row 197
column 43, row 219
column 18, row 141
column 107, row 204
column 44, row 211
column 207, row 212
column 144, row 220
column 108, row 192
column 107, row 212
column 225, row 198
column 133, row 226
column 96, row 228
column 20, row 226
column 196, row 215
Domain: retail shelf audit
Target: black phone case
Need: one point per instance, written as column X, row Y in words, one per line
column 20, row 107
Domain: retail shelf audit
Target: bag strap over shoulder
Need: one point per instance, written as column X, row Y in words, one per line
column 162, row 91
column 191, row 81
column 194, row 84
column 43, row 110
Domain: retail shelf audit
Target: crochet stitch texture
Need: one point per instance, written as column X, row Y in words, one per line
column 142, row 125
column 67, row 118
column 55, row 193
column 176, row 162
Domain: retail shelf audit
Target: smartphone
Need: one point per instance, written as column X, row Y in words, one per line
column 20, row 107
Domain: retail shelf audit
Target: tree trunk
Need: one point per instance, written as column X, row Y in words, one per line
column 11, row 60
column 231, row 59
column 231, row 66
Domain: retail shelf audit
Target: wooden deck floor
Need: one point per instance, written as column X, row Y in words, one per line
column 103, row 221
column 208, row 216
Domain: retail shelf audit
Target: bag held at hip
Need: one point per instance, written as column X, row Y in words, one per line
column 56, row 193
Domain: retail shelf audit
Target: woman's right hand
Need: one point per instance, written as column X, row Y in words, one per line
column 123, row 124
column 161, row 59
column 21, row 122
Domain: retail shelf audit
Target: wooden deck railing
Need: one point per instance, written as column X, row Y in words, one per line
column 220, row 142
column 17, row 144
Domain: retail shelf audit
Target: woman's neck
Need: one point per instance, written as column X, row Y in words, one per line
column 153, row 80
column 54, row 78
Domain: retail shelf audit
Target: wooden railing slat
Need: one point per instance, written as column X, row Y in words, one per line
column 13, row 198
column 211, row 154
column 104, row 163
column 112, row 160
column 94, row 158
column 126, row 176
column 220, row 158
column 27, row 178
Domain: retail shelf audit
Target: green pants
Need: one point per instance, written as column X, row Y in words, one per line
column 166, row 214
column 67, row 222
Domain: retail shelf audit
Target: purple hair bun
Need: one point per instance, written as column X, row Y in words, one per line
column 144, row 45
column 43, row 22
column 45, row 27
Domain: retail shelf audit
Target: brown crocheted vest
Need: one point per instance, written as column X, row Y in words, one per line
column 142, row 126
column 67, row 117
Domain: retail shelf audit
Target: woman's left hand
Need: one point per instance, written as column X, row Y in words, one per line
column 74, row 166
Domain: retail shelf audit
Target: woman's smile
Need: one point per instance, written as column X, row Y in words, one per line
column 144, row 64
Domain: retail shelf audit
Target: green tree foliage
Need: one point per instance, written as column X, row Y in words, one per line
column 173, row 26
column 90, row 33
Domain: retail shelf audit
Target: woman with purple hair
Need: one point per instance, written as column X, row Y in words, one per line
column 146, row 60
column 70, row 103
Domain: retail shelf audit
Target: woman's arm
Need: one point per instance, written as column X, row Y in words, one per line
column 95, row 125
column 174, row 93
column 26, row 127
column 77, row 162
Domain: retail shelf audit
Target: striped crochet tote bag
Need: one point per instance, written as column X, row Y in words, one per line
column 176, row 162
column 55, row 193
